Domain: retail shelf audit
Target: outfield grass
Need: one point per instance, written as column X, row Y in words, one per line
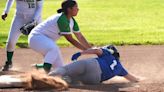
column 103, row 22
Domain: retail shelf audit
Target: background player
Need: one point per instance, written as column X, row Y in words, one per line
column 26, row 11
column 42, row 37
column 95, row 70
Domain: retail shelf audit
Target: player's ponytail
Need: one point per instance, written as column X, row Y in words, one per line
column 59, row 10
column 65, row 5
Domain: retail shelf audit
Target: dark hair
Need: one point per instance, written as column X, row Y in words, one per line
column 65, row 5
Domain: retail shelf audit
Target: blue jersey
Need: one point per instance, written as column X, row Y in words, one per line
column 110, row 66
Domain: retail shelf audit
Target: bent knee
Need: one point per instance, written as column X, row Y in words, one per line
column 10, row 46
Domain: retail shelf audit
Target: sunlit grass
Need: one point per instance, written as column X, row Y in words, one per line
column 120, row 22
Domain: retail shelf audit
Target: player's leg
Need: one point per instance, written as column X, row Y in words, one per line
column 76, row 71
column 11, row 41
column 61, row 72
column 92, row 73
column 53, row 57
column 71, row 71
column 87, row 71
column 47, row 47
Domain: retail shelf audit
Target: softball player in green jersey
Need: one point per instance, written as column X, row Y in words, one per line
column 26, row 11
column 42, row 37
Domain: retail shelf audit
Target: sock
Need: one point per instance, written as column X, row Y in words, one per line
column 9, row 56
column 47, row 67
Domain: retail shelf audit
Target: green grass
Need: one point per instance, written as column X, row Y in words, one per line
column 119, row 22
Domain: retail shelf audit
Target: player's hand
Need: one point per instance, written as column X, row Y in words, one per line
column 3, row 16
column 75, row 56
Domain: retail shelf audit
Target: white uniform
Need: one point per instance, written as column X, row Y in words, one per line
column 42, row 37
column 26, row 11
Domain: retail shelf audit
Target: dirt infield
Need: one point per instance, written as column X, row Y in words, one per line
column 144, row 61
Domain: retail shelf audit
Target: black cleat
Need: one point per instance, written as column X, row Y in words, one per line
column 7, row 66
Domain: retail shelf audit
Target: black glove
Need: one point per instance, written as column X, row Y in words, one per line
column 26, row 28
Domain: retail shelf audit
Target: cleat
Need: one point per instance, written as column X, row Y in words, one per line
column 7, row 66
column 34, row 66
column 37, row 66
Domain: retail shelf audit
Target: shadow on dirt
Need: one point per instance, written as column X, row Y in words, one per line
column 11, row 72
column 113, row 87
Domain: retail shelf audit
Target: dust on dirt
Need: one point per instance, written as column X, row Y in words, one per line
column 143, row 61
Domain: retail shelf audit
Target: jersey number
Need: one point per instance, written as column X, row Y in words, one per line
column 31, row 5
column 113, row 64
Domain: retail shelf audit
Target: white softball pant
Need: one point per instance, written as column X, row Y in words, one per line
column 87, row 71
column 47, row 47
column 18, row 21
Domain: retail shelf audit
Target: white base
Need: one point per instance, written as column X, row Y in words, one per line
column 10, row 81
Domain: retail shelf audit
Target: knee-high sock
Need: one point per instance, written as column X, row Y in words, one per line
column 9, row 56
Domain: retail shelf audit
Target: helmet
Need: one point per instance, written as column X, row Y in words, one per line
column 112, row 49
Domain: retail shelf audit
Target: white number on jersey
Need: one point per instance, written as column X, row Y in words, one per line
column 31, row 3
column 113, row 64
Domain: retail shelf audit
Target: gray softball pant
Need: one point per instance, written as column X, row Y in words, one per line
column 86, row 71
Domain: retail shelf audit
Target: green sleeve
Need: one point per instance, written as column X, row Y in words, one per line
column 63, row 25
column 75, row 26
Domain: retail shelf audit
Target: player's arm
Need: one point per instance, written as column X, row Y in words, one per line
column 79, row 35
column 82, row 40
column 38, row 11
column 73, row 41
column 66, row 32
column 124, row 73
column 96, row 51
column 9, row 3
column 131, row 78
